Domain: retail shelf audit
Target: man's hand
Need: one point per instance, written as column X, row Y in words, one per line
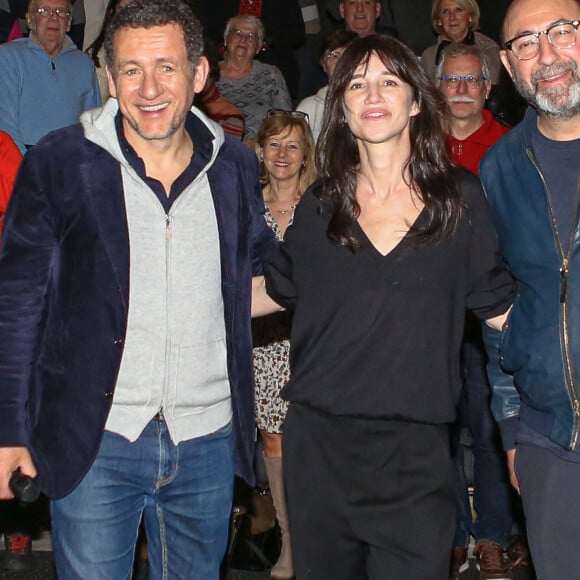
column 11, row 459
column 511, row 458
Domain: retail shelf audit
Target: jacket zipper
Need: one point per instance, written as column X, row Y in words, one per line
column 564, row 328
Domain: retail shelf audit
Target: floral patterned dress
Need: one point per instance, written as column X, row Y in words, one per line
column 271, row 358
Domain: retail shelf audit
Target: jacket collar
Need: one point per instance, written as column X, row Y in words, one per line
column 530, row 124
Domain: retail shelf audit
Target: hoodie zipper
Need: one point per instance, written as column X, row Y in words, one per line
column 564, row 311
column 167, row 294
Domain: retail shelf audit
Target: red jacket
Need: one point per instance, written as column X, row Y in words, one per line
column 469, row 152
column 10, row 158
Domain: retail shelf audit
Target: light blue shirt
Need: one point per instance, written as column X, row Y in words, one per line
column 39, row 94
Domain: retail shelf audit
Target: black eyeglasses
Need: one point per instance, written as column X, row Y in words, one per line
column 560, row 35
column 46, row 12
column 284, row 113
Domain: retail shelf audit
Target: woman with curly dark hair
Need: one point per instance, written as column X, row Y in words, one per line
column 384, row 255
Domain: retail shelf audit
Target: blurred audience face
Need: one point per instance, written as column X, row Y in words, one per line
column 454, row 20
column 549, row 81
column 378, row 105
column 49, row 28
column 329, row 60
column 242, row 41
column 467, row 97
column 284, row 154
column 360, row 16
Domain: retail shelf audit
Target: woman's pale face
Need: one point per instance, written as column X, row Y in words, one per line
column 454, row 20
column 284, row 155
column 242, row 41
column 378, row 105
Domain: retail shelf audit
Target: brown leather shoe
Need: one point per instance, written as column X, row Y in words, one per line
column 518, row 553
column 490, row 560
column 459, row 563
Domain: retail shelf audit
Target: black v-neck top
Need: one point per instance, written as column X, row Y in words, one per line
column 379, row 336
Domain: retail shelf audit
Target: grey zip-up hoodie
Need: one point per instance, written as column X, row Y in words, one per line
column 174, row 359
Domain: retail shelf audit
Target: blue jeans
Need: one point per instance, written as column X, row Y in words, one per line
column 492, row 491
column 183, row 493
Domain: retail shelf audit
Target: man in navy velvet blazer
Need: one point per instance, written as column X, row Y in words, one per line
column 125, row 285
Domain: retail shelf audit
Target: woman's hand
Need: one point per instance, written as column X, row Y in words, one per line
column 499, row 322
column 262, row 304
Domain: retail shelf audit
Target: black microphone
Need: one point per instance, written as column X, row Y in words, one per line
column 25, row 488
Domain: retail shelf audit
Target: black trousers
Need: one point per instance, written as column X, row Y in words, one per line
column 368, row 499
column 550, row 488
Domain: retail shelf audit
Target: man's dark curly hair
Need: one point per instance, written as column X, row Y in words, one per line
column 150, row 13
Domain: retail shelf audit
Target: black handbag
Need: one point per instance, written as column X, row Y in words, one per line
column 255, row 539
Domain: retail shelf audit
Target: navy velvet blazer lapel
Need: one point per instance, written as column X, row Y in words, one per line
column 104, row 192
column 226, row 203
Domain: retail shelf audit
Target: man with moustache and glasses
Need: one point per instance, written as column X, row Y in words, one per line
column 463, row 78
column 532, row 181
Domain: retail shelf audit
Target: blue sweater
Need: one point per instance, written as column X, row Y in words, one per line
column 39, row 94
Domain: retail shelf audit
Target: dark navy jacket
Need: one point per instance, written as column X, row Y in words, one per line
column 64, row 294
column 540, row 347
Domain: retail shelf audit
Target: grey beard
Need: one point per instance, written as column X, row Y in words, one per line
column 560, row 102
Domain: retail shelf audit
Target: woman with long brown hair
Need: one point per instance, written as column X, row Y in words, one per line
column 385, row 254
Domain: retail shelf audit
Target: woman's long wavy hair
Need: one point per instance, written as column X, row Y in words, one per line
column 432, row 174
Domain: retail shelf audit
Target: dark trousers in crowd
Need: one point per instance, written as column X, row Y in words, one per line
column 368, row 499
column 550, row 489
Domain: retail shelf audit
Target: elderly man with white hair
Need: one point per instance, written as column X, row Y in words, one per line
column 45, row 81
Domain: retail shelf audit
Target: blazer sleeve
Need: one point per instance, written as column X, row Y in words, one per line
column 26, row 259
column 263, row 240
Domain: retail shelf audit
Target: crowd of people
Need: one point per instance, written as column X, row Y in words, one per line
column 245, row 220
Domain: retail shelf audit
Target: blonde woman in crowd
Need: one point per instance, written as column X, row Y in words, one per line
column 458, row 21
column 286, row 151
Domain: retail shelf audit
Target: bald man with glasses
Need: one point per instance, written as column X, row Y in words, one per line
column 532, row 180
